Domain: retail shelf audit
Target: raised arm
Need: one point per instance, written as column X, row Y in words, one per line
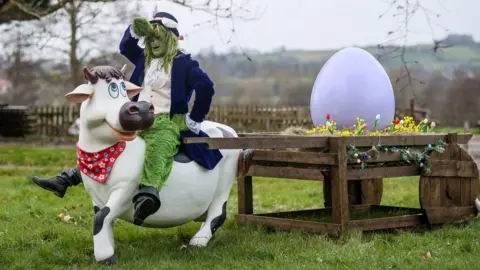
column 129, row 46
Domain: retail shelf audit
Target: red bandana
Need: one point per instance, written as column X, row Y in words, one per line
column 98, row 165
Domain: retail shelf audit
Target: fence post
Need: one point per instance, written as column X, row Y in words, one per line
column 412, row 108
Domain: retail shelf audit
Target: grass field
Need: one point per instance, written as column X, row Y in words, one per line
column 33, row 237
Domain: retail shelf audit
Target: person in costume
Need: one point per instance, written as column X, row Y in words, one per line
column 169, row 77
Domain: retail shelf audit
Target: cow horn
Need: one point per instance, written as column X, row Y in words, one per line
column 124, row 68
column 155, row 11
column 89, row 76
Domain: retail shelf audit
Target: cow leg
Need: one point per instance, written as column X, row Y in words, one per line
column 103, row 242
column 217, row 211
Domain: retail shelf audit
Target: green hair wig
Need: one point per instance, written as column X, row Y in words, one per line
column 156, row 34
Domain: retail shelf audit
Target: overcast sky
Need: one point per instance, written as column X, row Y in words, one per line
column 322, row 24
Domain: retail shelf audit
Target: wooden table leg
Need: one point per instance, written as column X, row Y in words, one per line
column 339, row 178
column 245, row 195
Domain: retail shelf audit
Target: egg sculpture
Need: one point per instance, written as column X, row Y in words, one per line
column 352, row 84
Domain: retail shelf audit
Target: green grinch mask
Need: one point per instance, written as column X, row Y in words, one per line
column 159, row 42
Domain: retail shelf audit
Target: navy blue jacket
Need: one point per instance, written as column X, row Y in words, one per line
column 186, row 76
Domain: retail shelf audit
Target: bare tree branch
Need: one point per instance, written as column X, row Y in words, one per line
column 408, row 9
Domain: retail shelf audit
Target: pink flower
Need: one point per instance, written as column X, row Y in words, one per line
column 85, row 170
column 433, row 124
column 90, row 166
column 358, row 161
column 101, row 177
column 327, row 116
column 364, row 125
column 112, row 159
column 101, row 165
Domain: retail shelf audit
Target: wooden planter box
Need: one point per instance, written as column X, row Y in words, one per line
column 447, row 192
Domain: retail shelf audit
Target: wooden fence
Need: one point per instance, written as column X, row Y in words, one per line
column 55, row 121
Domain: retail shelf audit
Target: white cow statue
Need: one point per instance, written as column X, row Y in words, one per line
column 191, row 193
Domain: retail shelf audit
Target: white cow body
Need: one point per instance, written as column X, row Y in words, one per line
column 190, row 192
column 186, row 195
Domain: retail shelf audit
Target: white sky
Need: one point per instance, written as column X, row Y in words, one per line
column 322, row 24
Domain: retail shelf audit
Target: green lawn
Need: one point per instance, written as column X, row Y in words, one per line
column 457, row 130
column 33, row 237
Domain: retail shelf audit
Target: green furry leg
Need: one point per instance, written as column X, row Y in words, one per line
column 162, row 142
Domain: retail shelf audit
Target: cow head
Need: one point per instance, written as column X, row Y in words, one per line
column 107, row 114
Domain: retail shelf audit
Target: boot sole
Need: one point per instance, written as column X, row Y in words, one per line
column 145, row 209
column 57, row 193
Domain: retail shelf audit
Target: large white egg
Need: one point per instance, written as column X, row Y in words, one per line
column 352, row 84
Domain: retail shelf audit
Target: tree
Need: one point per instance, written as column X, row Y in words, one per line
column 20, row 72
column 86, row 22
column 26, row 10
column 407, row 9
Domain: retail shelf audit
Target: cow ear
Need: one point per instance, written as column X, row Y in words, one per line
column 132, row 89
column 80, row 94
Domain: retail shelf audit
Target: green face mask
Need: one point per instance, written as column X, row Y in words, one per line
column 159, row 42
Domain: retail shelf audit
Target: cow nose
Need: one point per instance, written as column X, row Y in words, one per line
column 136, row 115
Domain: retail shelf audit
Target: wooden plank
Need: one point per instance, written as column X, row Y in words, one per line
column 383, row 172
column 260, row 134
column 245, row 195
column 295, row 157
column 288, row 224
column 287, row 172
column 403, row 140
column 441, row 215
column 390, row 208
column 339, row 179
column 383, row 157
column 262, row 142
column 387, row 223
column 452, row 168
column 313, row 212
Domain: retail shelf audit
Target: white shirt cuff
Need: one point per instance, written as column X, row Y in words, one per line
column 192, row 125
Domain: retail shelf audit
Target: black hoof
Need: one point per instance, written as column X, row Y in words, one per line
column 144, row 207
column 110, row 261
column 47, row 184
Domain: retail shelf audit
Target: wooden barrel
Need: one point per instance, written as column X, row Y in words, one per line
column 448, row 193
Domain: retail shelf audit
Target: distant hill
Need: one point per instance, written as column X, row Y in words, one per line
column 463, row 52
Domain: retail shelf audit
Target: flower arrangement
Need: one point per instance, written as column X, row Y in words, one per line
column 403, row 126
column 407, row 155
column 406, row 125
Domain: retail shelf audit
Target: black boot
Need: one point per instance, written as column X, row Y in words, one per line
column 147, row 202
column 59, row 184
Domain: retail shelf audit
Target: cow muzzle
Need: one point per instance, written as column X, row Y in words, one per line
column 135, row 116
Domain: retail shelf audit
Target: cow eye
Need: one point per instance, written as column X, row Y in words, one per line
column 123, row 89
column 113, row 90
